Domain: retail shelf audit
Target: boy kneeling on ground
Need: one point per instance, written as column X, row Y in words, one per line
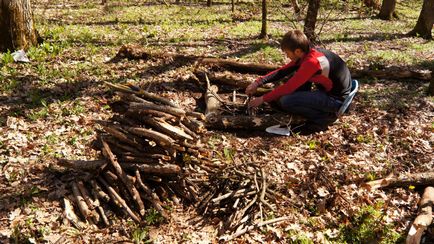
column 311, row 65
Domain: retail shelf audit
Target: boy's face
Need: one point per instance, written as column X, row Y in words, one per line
column 294, row 55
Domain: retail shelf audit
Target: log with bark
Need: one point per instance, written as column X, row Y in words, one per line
column 423, row 219
column 404, row 180
column 258, row 122
column 393, row 73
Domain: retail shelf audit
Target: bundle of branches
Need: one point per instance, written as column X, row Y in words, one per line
column 240, row 196
column 151, row 152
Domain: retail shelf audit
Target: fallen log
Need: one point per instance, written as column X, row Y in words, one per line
column 424, row 218
column 405, row 180
column 251, row 122
column 393, row 73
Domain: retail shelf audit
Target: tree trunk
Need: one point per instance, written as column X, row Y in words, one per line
column 16, row 25
column 425, row 21
column 233, row 6
column 387, row 9
column 208, row 3
column 264, row 20
column 311, row 17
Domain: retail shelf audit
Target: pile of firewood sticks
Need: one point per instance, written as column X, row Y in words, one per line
column 152, row 152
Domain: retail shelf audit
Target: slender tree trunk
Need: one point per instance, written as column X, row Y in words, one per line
column 264, row 20
column 311, row 17
column 295, row 6
column 425, row 21
column 233, row 6
column 387, row 9
column 17, row 30
column 208, row 3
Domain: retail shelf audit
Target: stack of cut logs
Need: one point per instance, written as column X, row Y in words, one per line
column 151, row 152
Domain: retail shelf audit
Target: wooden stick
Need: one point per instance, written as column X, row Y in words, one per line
column 162, row 108
column 124, row 178
column 249, row 228
column 158, row 137
column 84, row 209
column 165, row 169
column 118, row 199
column 151, row 196
column 141, row 93
column 96, row 190
column 71, row 216
column 166, row 128
column 86, row 165
column 90, row 202
column 121, row 136
column 193, row 125
column 97, row 203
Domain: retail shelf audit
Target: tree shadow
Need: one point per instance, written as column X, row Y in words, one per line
column 33, row 96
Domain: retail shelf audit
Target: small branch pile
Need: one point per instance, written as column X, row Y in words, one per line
column 151, row 152
column 242, row 198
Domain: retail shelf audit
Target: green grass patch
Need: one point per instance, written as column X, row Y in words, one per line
column 368, row 226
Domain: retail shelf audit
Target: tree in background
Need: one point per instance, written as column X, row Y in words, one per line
column 425, row 21
column 208, row 3
column 387, row 11
column 264, row 20
column 311, row 17
column 16, row 25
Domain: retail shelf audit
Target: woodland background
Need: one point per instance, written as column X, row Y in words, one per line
column 48, row 107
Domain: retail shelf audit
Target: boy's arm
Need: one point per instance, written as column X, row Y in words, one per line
column 277, row 74
column 303, row 74
column 270, row 77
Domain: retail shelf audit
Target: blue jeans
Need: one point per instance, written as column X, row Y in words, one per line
column 316, row 106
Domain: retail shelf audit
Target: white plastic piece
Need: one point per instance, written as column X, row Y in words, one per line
column 20, row 56
column 277, row 129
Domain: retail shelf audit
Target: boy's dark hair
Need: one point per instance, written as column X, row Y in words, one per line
column 294, row 39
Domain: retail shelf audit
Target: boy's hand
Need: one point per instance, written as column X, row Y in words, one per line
column 256, row 102
column 251, row 89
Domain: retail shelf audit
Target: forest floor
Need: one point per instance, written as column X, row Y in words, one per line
column 48, row 106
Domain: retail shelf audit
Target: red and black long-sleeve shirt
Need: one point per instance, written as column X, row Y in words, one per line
column 319, row 66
